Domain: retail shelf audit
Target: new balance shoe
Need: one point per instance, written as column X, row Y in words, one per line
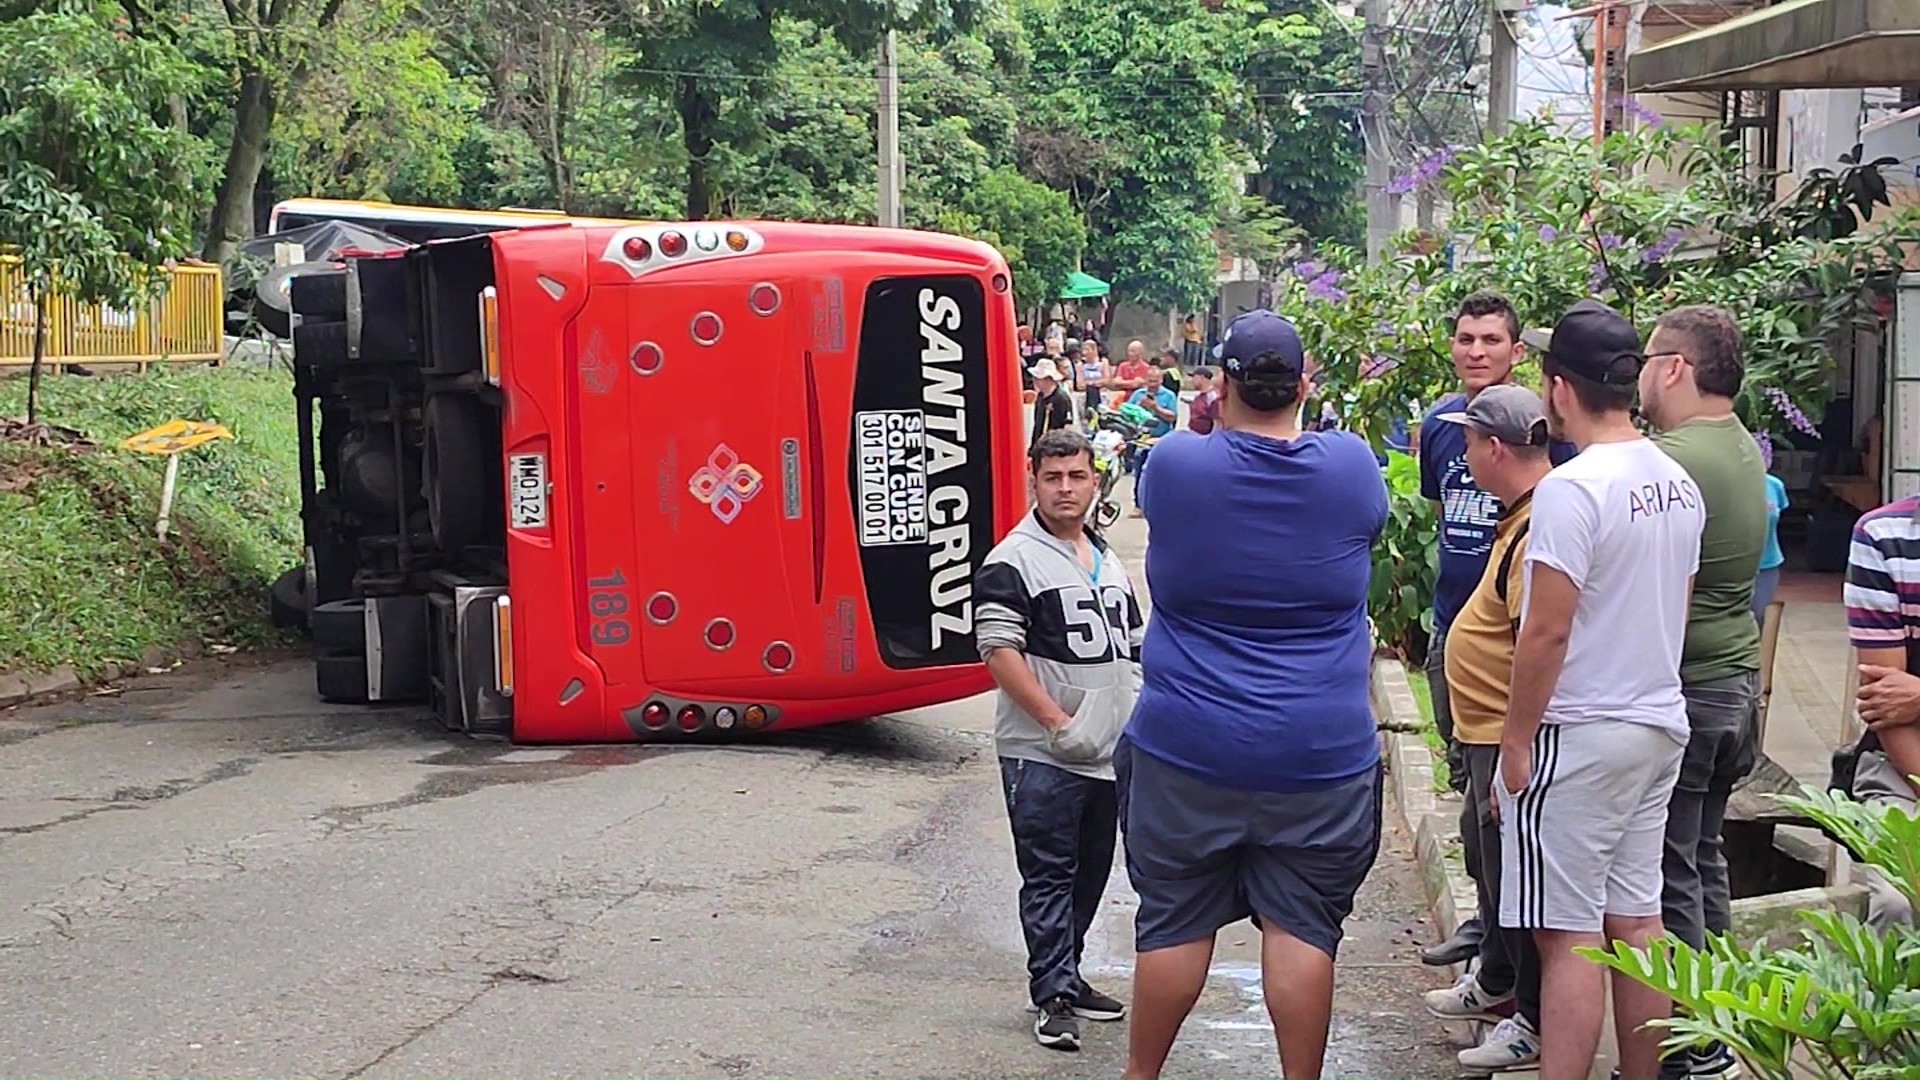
column 1056, row 1027
column 1512, row 1044
column 1465, row 1000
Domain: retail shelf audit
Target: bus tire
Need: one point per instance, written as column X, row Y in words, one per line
column 287, row 600
column 341, row 678
column 340, row 625
column 456, row 445
column 322, row 345
column 319, row 295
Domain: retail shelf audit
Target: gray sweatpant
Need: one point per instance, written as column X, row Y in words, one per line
column 1723, row 715
column 1876, row 780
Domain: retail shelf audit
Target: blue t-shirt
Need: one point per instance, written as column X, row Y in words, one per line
column 1163, row 397
column 1468, row 515
column 1256, row 660
column 1771, row 555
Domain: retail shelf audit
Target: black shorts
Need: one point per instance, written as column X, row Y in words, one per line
column 1202, row 856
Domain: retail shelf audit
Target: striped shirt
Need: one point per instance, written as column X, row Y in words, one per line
column 1883, row 577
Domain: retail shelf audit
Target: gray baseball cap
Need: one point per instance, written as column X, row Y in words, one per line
column 1512, row 414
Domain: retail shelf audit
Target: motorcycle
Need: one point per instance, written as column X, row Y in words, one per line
column 1113, row 433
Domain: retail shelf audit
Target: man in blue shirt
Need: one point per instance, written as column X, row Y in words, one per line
column 1250, row 773
column 1485, row 345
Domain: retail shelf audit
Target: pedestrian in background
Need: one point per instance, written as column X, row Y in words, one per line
column 1771, row 557
column 1059, row 629
column 1250, row 773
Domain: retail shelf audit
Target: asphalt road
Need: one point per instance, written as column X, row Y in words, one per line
column 214, row 874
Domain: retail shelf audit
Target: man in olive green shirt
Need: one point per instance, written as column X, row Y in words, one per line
column 1693, row 370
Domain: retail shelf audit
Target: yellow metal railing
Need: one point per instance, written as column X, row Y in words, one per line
column 184, row 323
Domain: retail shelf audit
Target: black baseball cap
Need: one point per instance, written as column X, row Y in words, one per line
column 1588, row 341
column 1257, row 333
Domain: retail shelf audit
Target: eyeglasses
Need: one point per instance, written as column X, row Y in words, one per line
column 1664, row 355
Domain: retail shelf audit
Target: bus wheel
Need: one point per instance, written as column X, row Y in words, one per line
column 456, row 454
column 321, row 344
column 319, row 295
column 287, row 601
column 340, row 625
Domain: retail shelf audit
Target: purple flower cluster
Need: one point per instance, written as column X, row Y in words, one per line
column 1765, row 442
column 1428, row 168
column 1791, row 411
column 1597, row 277
column 1609, row 241
column 1662, row 247
column 1642, row 113
column 1548, row 234
column 1322, row 281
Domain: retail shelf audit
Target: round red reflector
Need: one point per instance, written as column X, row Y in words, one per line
column 672, row 245
column 654, row 715
column 999, row 283
column 778, row 657
column 737, row 240
column 706, row 328
column 719, row 634
column 646, row 358
column 637, row 248
column 662, row 607
column 691, row 717
column 764, row 299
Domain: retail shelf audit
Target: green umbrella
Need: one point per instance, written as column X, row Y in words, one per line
column 1083, row 286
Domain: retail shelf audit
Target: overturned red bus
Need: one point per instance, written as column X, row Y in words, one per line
column 590, row 482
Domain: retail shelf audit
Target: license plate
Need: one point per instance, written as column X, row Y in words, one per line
column 527, row 491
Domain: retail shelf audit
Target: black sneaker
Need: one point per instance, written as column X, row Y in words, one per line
column 1056, row 1027
column 1094, row 1005
column 1463, row 946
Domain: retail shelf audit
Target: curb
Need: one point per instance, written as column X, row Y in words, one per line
column 1434, row 823
column 34, row 688
column 1772, row 918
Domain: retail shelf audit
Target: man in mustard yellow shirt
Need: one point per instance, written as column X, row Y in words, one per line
column 1507, row 454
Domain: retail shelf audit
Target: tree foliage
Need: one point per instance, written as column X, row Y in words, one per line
column 97, row 188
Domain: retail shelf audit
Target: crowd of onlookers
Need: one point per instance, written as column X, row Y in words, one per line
column 1607, row 548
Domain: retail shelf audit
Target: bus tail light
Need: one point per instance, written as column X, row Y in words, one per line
column 503, row 646
column 673, row 244
column 691, row 717
column 637, row 248
column 654, row 715
column 755, row 716
column 724, row 717
column 490, row 334
column 736, row 240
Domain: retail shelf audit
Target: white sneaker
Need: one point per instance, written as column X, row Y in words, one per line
column 1512, row 1044
column 1465, row 1000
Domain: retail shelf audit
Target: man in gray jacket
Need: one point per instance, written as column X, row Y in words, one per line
column 1060, row 630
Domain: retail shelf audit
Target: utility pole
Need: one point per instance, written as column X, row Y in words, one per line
column 1503, row 70
column 1373, row 125
column 891, row 173
column 1602, row 36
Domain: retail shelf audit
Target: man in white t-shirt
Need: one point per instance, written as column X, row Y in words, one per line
column 1595, row 724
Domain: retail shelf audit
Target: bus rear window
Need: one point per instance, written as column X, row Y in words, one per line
column 921, row 474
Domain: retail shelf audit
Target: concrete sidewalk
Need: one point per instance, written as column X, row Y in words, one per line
column 1810, row 669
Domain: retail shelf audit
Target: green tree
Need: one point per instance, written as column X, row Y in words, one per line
column 376, row 116
column 96, row 188
column 712, row 59
column 1301, row 129
column 1034, row 226
column 1129, row 116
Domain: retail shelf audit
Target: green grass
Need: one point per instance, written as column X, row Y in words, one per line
column 1429, row 732
column 83, row 581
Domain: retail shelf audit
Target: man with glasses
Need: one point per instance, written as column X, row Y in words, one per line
column 1693, row 370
